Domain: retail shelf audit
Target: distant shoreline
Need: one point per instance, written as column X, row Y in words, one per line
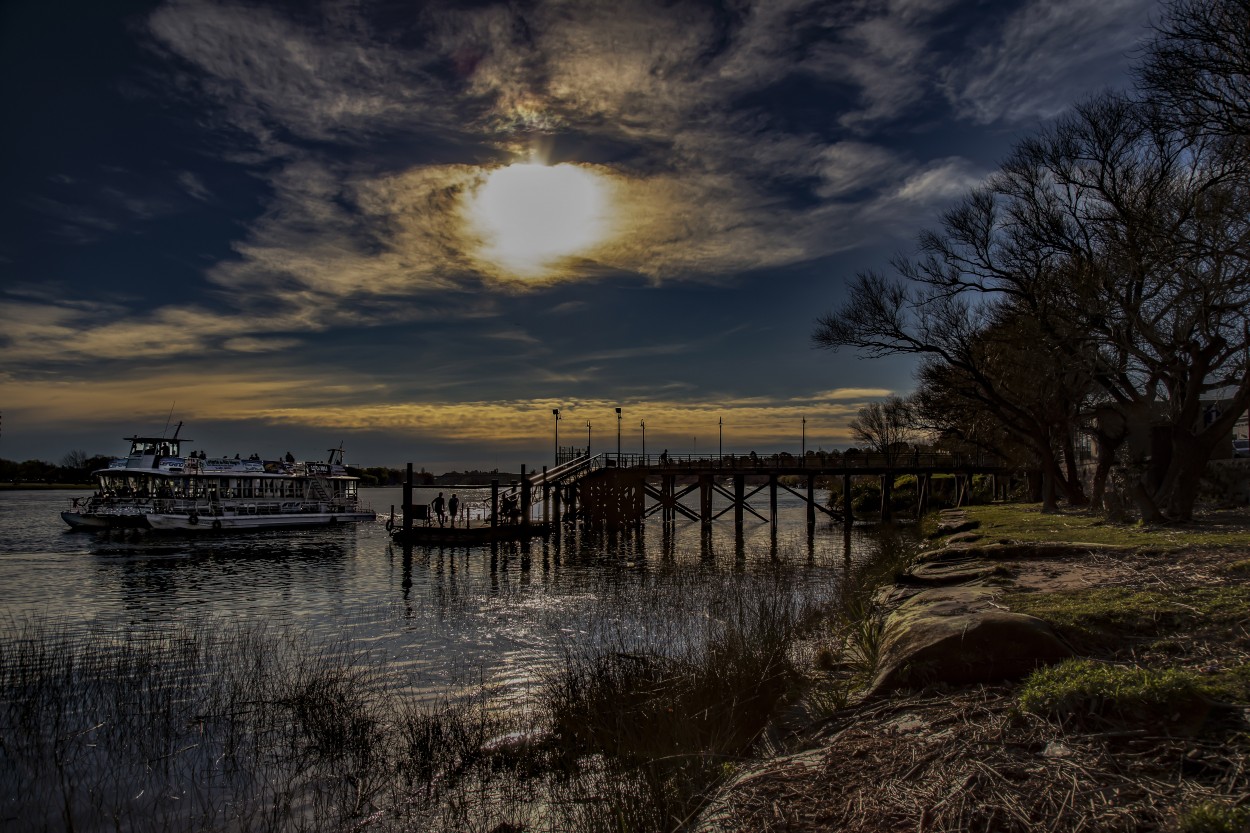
column 43, row 487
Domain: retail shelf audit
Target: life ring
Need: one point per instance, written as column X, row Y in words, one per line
column 390, row 524
column 216, row 524
column 193, row 518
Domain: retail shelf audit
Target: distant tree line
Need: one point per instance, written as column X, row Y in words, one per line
column 1096, row 286
column 75, row 468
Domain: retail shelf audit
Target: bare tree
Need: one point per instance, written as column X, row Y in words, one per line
column 1198, row 66
column 887, row 427
column 76, row 459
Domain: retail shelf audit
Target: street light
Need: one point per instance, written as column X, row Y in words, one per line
column 587, row 438
column 643, row 424
column 803, row 447
column 720, row 437
column 618, row 436
column 555, row 412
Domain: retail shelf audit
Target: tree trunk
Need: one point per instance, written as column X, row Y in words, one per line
column 1107, row 447
column 1076, row 489
column 1049, row 504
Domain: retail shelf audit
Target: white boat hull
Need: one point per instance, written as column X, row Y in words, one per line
column 209, row 523
column 92, row 520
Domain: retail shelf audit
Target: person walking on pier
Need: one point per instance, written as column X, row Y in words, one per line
column 453, row 507
column 439, row 508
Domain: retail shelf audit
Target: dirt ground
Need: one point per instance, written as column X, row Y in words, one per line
column 969, row 760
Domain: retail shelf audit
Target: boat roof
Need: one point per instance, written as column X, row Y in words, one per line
column 137, row 439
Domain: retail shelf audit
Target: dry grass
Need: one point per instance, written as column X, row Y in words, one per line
column 971, row 761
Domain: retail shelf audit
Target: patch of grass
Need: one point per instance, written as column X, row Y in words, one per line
column 1026, row 522
column 1083, row 691
column 1232, row 685
column 1100, row 616
column 1210, row 817
column 1237, row 568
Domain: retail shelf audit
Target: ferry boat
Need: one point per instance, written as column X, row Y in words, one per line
column 156, row 487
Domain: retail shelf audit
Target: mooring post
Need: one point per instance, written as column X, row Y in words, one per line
column 408, row 500
column 846, row 501
column 494, row 503
column 525, row 498
column 740, row 489
column 705, row 499
column 555, row 504
column 811, row 502
column 772, row 498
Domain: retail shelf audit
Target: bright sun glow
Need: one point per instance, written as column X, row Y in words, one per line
column 531, row 215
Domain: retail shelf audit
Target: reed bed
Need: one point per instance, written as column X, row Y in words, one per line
column 668, row 682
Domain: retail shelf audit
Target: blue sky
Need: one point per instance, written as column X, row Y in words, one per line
column 275, row 219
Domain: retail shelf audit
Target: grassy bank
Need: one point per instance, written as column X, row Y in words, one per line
column 1027, row 523
column 1146, row 728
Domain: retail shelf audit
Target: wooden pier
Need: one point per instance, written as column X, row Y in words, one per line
column 623, row 490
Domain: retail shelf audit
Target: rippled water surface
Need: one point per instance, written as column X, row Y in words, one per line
column 450, row 616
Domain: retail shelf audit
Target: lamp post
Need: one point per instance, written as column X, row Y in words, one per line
column 803, row 447
column 587, row 438
column 720, row 437
column 618, row 436
column 643, row 424
column 555, row 412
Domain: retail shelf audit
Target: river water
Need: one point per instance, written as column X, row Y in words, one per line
column 452, row 617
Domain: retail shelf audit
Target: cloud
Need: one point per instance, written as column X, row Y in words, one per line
column 193, row 185
column 346, row 402
column 1046, row 55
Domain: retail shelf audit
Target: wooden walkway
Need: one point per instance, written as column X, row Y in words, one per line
column 623, row 490
column 635, row 487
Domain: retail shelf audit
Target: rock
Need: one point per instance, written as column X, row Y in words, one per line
column 959, row 637
column 951, row 524
column 950, row 572
column 964, row 538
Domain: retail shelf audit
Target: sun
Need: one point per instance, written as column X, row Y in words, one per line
column 530, row 215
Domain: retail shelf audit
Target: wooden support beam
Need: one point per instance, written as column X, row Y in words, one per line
column 546, row 498
column 811, row 502
column 525, row 498
column 494, row 503
column 739, row 501
column 408, row 499
column 705, row 499
column 847, row 514
column 772, row 499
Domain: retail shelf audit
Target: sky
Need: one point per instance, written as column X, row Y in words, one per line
column 416, row 228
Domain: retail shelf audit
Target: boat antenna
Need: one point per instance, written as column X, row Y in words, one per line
column 168, row 418
column 338, row 451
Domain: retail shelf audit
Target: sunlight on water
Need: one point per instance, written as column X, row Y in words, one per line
column 447, row 618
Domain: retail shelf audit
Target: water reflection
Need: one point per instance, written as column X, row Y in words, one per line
column 445, row 615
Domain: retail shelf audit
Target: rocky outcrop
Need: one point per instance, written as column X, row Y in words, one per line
column 959, row 636
column 953, row 521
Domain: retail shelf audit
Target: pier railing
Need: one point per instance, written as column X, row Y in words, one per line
column 841, row 462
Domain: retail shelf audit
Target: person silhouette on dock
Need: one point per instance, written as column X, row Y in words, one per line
column 664, row 457
column 453, row 508
column 439, row 507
